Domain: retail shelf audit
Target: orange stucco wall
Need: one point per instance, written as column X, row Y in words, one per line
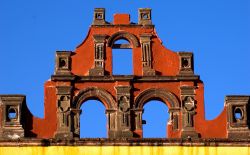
column 165, row 63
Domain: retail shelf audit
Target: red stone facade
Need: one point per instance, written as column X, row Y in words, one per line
column 158, row 73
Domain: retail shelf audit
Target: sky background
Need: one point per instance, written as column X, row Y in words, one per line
column 217, row 32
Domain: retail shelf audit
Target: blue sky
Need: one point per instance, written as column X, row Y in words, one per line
column 217, row 32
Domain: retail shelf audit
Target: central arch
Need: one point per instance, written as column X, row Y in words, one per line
column 123, row 35
column 91, row 93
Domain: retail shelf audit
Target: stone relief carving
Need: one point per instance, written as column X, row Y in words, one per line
column 99, row 49
column 123, row 114
column 124, row 108
column 64, row 119
column 146, row 55
column 64, row 110
column 124, row 104
column 188, row 112
column 145, row 40
column 189, row 105
column 99, row 55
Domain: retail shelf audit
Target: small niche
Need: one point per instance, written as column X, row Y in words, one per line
column 145, row 16
column 185, row 62
column 12, row 114
column 238, row 114
column 62, row 63
column 99, row 16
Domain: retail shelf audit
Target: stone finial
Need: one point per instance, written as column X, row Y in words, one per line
column 99, row 16
column 144, row 16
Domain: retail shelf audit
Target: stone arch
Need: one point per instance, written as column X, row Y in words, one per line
column 164, row 95
column 123, row 35
column 96, row 93
column 92, row 93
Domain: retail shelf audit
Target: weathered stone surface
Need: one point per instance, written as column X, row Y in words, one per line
column 11, row 114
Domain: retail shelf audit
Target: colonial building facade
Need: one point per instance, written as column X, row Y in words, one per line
column 158, row 74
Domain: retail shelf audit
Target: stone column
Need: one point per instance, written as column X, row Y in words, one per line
column 174, row 114
column 64, row 119
column 111, row 121
column 76, row 122
column 138, row 118
column 188, row 112
column 123, row 113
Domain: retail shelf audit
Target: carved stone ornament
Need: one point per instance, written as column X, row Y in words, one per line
column 64, row 103
column 99, row 49
column 124, row 104
column 189, row 103
column 64, row 119
column 188, row 112
column 145, row 40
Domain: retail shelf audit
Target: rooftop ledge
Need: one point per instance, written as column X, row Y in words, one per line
column 125, row 78
column 126, row 142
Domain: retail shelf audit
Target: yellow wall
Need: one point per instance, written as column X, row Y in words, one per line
column 124, row 150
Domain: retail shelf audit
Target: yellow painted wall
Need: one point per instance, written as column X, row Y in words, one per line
column 124, row 150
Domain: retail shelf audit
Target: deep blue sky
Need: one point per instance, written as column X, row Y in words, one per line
column 218, row 32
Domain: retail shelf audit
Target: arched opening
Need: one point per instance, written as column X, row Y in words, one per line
column 122, row 58
column 155, row 119
column 168, row 99
column 93, row 122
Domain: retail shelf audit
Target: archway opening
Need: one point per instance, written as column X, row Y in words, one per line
column 156, row 118
column 122, row 58
column 93, row 122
